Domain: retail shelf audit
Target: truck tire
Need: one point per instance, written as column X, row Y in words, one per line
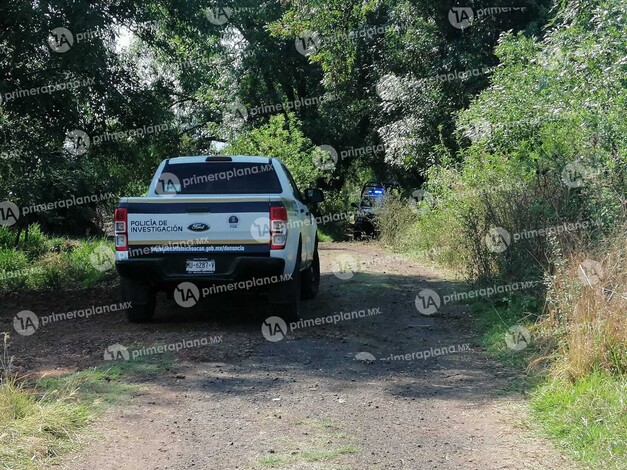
column 311, row 278
column 140, row 313
column 142, row 299
column 287, row 309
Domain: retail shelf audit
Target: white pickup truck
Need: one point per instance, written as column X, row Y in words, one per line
column 220, row 223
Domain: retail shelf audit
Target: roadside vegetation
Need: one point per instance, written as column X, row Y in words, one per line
column 539, row 195
column 41, row 420
column 42, row 262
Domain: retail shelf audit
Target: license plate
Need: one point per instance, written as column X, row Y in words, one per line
column 200, row 266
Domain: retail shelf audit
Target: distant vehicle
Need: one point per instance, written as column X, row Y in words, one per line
column 372, row 198
column 217, row 221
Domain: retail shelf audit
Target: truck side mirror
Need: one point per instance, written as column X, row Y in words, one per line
column 314, row 196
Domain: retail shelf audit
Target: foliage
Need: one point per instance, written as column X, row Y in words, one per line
column 540, row 158
column 43, row 263
column 282, row 138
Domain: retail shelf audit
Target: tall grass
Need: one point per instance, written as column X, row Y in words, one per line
column 35, row 424
column 46, row 263
column 587, row 303
column 587, row 418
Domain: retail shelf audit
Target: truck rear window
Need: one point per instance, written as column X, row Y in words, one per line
column 221, row 178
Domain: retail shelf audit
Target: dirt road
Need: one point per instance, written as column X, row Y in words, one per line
column 343, row 395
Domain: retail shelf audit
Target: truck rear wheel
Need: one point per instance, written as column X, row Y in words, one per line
column 140, row 313
column 311, row 279
column 142, row 300
column 287, row 308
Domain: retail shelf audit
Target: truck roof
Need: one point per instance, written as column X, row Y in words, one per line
column 203, row 158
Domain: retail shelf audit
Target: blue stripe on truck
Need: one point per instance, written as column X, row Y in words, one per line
column 169, row 207
column 136, row 251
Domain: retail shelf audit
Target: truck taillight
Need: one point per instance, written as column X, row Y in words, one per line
column 278, row 228
column 121, row 233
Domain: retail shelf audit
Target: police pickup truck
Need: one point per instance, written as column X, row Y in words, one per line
column 216, row 222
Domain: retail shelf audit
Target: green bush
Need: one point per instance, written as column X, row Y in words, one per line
column 283, row 138
column 42, row 263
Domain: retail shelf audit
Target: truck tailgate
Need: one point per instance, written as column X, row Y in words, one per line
column 211, row 224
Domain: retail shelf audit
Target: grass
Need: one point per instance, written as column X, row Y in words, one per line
column 37, row 424
column 46, row 263
column 309, row 456
column 40, row 421
column 588, row 418
column 494, row 318
column 324, row 238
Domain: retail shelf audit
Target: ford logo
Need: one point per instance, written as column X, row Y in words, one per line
column 198, row 227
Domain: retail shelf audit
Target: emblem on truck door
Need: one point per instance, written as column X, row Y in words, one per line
column 198, row 227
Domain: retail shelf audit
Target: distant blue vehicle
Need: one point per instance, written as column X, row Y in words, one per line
column 372, row 198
